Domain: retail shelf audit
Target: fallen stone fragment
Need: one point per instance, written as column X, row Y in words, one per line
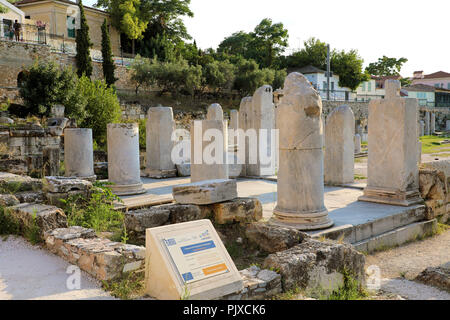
column 137, row 221
column 243, row 210
column 206, row 192
column 180, row 213
column 43, row 216
column 8, row 200
column 184, row 169
column 14, row 183
column 272, row 238
column 63, row 185
column 317, row 266
column 438, row 277
column 30, row 196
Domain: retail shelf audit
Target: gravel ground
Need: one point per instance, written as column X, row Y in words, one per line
column 29, row 272
column 401, row 265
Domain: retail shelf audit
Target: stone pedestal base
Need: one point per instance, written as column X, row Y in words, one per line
column 127, row 190
column 89, row 178
column 391, row 197
column 302, row 221
column 160, row 174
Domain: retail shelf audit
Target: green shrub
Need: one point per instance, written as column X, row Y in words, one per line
column 8, row 225
column 101, row 107
column 96, row 212
column 45, row 84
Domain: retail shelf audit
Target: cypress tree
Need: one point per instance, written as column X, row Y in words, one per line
column 108, row 63
column 83, row 57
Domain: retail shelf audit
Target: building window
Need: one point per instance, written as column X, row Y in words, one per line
column 70, row 27
column 421, row 95
column 448, row 85
column 437, row 85
column 369, row 86
column 332, row 86
column 27, row 17
column 363, row 87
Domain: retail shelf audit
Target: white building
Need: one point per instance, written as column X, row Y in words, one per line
column 318, row 79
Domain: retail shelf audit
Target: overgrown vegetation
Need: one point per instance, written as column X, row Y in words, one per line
column 351, row 289
column 92, row 103
column 129, row 286
column 95, row 212
column 8, row 225
column 433, row 144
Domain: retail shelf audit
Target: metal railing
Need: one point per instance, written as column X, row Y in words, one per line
column 27, row 33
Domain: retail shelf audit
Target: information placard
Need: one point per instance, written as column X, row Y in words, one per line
column 189, row 260
column 196, row 256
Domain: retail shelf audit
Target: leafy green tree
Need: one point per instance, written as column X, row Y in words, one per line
column 43, row 85
column 249, row 77
column 386, row 66
column 141, row 73
column 83, row 43
column 270, row 40
column 238, row 43
column 348, row 65
column 314, row 53
column 218, row 75
column 108, row 63
column 278, row 81
column 3, row 9
column 101, row 105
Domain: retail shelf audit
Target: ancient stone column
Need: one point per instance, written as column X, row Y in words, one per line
column 160, row 127
column 340, row 146
column 447, row 125
column 79, row 153
column 215, row 112
column 300, row 177
column 262, row 121
column 357, row 144
column 233, row 139
column 209, row 138
column 422, row 128
column 433, row 123
column 123, row 159
column 51, row 160
column 245, row 110
column 427, row 124
column 393, row 173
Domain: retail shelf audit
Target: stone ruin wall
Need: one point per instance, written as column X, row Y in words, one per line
column 23, row 148
column 14, row 56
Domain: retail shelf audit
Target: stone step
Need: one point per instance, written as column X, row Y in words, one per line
column 396, row 237
column 374, row 227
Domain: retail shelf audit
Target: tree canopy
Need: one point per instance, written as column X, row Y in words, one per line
column 83, row 43
column 386, row 66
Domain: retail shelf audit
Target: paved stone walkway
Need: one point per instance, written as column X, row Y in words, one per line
column 30, row 273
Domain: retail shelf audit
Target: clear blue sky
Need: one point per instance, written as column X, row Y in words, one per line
column 417, row 30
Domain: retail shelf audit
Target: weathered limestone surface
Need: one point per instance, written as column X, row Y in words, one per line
column 339, row 147
column 262, row 120
column 243, row 210
column 272, row 238
column 209, row 159
column 123, row 159
column 16, row 183
column 65, row 184
column 422, row 128
column 434, row 180
column 393, row 173
column 300, row 176
column 206, row 192
column 184, row 169
column 233, row 139
column 180, row 213
column 79, row 153
column 43, row 216
column 51, row 160
column 101, row 258
column 314, row 265
column 245, row 117
column 160, row 127
column 8, row 200
column 215, row 112
column 31, row 196
column 357, row 144
column 258, row 285
column 137, row 221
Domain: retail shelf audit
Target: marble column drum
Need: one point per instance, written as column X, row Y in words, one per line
column 340, row 146
column 79, row 153
column 159, row 130
column 393, row 172
column 123, row 159
column 300, row 177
